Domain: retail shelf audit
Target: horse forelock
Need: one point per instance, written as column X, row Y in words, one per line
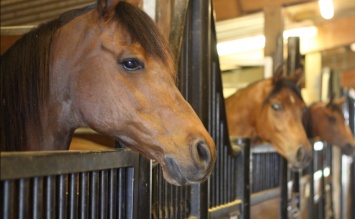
column 284, row 83
column 335, row 108
column 144, row 31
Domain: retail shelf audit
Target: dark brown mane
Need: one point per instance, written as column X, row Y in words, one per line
column 24, row 81
column 335, row 107
column 25, row 69
column 281, row 84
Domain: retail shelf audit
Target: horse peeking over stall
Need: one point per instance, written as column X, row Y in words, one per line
column 106, row 67
column 271, row 110
column 325, row 120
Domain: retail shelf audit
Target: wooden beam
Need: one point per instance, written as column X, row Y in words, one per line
column 331, row 34
column 273, row 29
column 228, row 9
column 257, row 5
column 7, row 42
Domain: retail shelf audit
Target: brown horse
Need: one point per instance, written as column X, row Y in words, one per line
column 105, row 66
column 325, row 120
column 271, row 110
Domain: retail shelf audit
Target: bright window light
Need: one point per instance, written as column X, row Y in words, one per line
column 302, row 32
column 326, row 8
column 241, row 45
column 352, row 47
column 258, row 42
column 318, row 146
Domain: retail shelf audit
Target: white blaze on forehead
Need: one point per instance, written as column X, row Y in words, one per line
column 292, row 99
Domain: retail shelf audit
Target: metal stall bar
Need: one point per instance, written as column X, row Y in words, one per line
column 293, row 62
column 351, row 110
column 199, row 67
column 229, row 184
column 46, row 184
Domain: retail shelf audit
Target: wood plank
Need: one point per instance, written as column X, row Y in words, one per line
column 7, row 42
column 331, row 34
column 227, row 9
column 273, row 29
column 249, row 6
column 348, row 78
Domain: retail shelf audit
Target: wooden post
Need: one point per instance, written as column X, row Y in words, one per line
column 273, row 31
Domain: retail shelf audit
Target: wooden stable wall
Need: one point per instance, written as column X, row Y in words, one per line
column 227, row 9
column 348, row 78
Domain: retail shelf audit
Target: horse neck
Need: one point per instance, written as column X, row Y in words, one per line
column 54, row 134
column 242, row 109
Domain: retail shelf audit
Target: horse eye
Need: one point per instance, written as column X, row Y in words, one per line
column 332, row 119
column 276, row 106
column 132, row 64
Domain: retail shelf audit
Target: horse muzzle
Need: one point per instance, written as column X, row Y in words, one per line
column 189, row 171
column 348, row 149
column 303, row 158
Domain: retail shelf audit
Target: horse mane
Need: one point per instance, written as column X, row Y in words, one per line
column 24, row 75
column 143, row 30
column 281, row 84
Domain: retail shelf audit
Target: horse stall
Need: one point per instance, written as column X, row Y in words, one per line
column 119, row 183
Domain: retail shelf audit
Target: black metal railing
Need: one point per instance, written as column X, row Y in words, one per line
column 70, row 185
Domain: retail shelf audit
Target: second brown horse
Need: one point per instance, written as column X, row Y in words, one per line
column 271, row 110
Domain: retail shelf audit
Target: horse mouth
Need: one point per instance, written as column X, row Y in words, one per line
column 176, row 176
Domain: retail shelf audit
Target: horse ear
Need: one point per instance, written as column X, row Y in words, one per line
column 106, row 8
column 278, row 74
column 340, row 100
column 297, row 76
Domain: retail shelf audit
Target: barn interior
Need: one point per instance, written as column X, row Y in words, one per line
column 244, row 28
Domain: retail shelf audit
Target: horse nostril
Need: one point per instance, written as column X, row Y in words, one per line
column 349, row 149
column 303, row 156
column 203, row 153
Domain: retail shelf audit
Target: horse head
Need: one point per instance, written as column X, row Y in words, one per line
column 110, row 69
column 326, row 121
column 271, row 110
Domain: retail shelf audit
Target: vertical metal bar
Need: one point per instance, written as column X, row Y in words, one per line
column 112, row 194
column 83, row 196
column 49, row 197
column 283, row 187
column 72, row 196
column 7, row 192
column 103, row 194
column 61, row 195
column 130, row 191
column 144, row 180
column 311, row 213
column 37, row 198
column 23, row 198
column 322, row 184
column 246, row 164
column 93, row 195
